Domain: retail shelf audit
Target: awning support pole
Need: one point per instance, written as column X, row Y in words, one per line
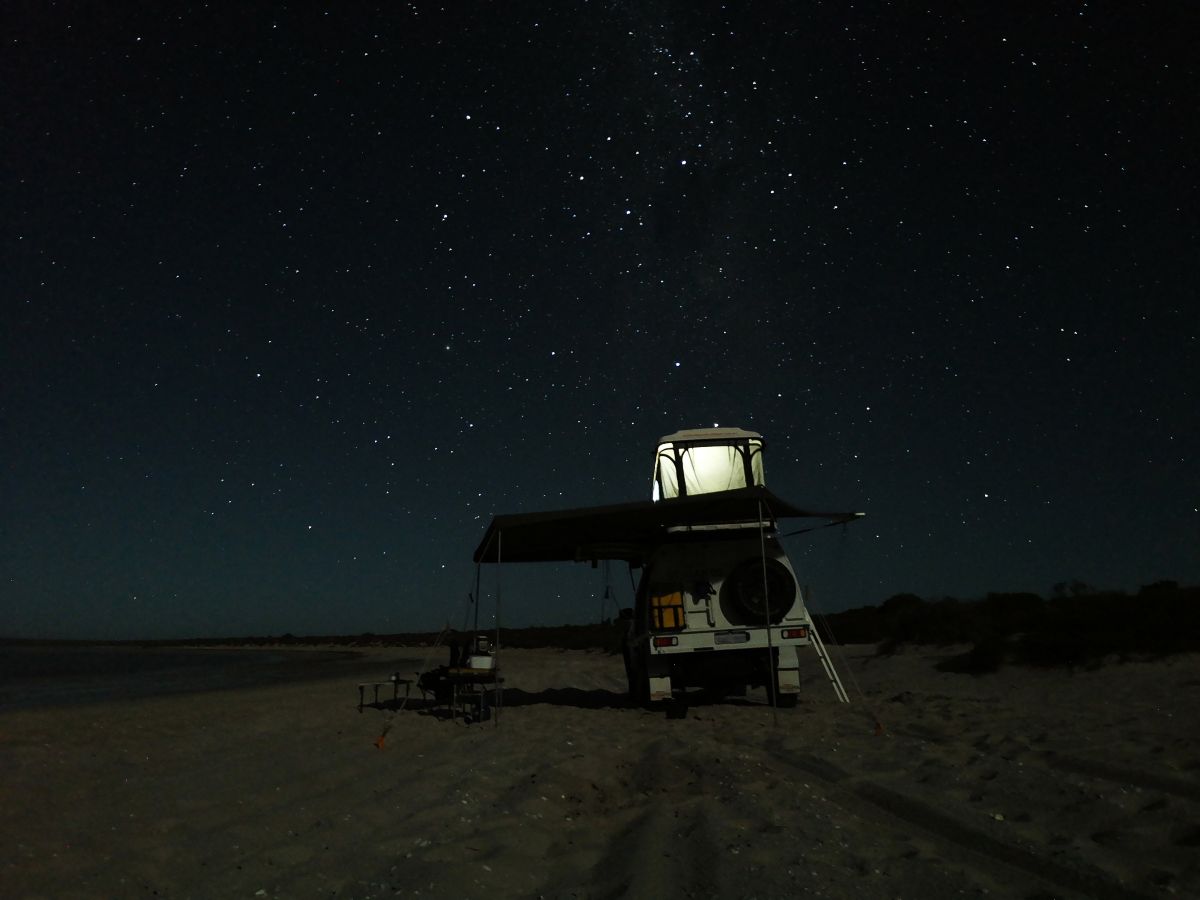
column 477, row 598
column 499, row 560
column 772, row 679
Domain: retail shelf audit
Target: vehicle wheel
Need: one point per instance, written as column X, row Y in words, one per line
column 777, row 697
column 676, row 708
column 639, row 690
column 744, row 592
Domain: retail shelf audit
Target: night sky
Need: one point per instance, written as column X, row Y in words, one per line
column 296, row 299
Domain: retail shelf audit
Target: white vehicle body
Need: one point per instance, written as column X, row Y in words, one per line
column 702, row 618
column 718, row 604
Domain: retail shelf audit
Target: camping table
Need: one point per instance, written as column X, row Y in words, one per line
column 471, row 686
column 394, row 682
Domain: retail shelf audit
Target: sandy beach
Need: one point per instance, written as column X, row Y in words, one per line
column 1022, row 783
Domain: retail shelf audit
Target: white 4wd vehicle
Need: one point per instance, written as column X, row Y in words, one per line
column 718, row 605
column 703, row 618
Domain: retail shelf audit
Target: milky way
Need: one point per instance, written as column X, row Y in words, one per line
column 296, row 301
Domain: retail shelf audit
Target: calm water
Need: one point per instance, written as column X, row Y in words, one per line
column 34, row 676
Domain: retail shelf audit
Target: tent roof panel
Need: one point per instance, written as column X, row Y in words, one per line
column 709, row 434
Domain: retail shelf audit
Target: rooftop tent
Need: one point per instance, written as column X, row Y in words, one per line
column 629, row 531
column 705, row 461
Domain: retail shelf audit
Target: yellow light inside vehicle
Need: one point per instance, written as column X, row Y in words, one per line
column 666, row 611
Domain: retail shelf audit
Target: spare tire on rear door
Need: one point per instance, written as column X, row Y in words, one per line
column 744, row 600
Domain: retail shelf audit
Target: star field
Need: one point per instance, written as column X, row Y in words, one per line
column 297, row 299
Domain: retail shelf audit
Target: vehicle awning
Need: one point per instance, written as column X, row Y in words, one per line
column 628, row 531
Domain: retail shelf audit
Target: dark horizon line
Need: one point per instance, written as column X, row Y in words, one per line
column 1074, row 589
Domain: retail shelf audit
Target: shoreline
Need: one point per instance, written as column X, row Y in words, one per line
column 78, row 676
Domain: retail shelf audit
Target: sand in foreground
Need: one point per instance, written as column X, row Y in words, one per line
column 1019, row 784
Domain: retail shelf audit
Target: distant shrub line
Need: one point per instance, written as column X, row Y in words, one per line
column 1076, row 626
column 604, row 636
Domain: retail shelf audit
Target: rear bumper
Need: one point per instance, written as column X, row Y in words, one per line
column 742, row 666
column 725, row 639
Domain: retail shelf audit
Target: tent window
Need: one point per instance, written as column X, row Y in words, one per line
column 713, row 468
column 684, row 470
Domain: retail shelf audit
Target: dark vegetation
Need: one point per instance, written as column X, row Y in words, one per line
column 605, row 636
column 1075, row 626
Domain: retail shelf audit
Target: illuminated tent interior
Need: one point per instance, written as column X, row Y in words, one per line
column 705, row 461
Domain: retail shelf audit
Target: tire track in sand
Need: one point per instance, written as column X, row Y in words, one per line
column 669, row 849
column 1067, row 763
column 1133, row 777
column 915, row 812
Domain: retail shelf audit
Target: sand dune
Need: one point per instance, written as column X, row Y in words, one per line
column 1017, row 784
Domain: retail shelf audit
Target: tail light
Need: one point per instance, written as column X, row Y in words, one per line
column 666, row 642
column 790, row 633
